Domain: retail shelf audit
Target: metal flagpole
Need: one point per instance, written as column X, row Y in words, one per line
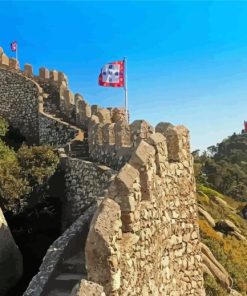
column 16, row 56
column 126, row 90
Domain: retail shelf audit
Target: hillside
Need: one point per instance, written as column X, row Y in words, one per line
column 221, row 174
column 224, row 230
column 224, row 166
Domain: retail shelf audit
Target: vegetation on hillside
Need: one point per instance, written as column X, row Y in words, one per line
column 221, row 174
column 22, row 171
column 228, row 250
column 224, row 166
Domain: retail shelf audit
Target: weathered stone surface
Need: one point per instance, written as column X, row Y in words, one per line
column 87, row 288
column 85, row 182
column 105, row 229
column 156, row 249
column 19, row 103
column 55, row 132
column 10, row 258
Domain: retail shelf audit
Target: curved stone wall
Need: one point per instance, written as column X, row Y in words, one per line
column 19, row 97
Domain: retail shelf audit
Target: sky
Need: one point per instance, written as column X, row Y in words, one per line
column 187, row 61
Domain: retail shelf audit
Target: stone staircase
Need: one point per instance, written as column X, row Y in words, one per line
column 79, row 146
column 80, row 149
column 72, row 271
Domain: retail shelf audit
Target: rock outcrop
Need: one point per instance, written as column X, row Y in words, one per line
column 213, row 268
column 10, row 258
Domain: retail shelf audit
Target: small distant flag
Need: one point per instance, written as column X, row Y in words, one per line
column 112, row 74
column 13, row 46
column 245, row 126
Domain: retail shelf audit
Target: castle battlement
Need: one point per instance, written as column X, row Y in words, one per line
column 136, row 179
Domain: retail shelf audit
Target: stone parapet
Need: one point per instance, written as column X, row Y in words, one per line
column 144, row 238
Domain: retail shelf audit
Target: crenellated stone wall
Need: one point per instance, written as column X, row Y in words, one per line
column 144, row 238
column 113, row 143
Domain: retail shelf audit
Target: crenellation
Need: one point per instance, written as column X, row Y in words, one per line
column 69, row 101
column 62, row 78
column 104, row 115
column 44, row 73
column 140, row 129
column 117, row 114
column 177, row 141
column 4, row 60
column 53, row 76
column 14, row 64
column 83, row 114
column 109, row 133
column 95, row 109
column 28, row 70
column 122, row 134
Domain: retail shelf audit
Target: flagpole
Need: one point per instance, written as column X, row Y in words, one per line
column 126, row 90
column 16, row 56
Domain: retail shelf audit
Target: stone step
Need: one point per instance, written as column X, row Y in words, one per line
column 57, row 292
column 75, row 264
column 68, row 280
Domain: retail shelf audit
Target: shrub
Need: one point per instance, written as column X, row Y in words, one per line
column 212, row 288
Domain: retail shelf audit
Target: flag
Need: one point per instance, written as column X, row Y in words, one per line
column 112, row 74
column 13, row 46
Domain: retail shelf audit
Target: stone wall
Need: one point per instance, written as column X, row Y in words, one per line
column 10, row 258
column 113, row 143
column 143, row 239
column 57, row 98
column 20, row 103
column 55, row 132
column 85, row 183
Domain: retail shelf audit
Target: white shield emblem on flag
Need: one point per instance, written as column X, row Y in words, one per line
column 110, row 73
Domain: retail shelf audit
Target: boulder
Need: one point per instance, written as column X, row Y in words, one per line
column 234, row 293
column 226, row 226
column 207, row 216
column 11, row 267
column 213, row 267
column 244, row 212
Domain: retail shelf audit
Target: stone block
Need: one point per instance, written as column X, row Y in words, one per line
column 95, row 109
column 104, row 116
column 109, row 133
column 53, row 75
column 14, row 64
column 28, row 70
column 140, row 129
column 118, row 114
column 122, row 134
column 4, row 60
column 44, row 73
column 87, row 288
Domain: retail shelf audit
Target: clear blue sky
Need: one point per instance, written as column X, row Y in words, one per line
column 187, row 61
